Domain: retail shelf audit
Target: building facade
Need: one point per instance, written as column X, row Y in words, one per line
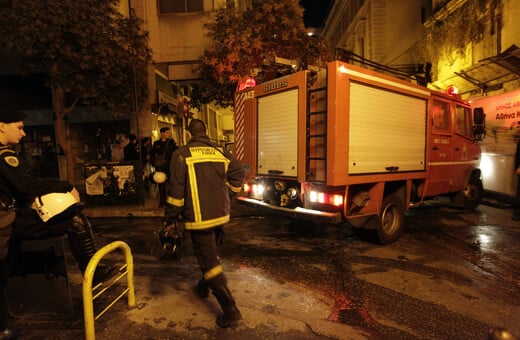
column 178, row 41
column 471, row 44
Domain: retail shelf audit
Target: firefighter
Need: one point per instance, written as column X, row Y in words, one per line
column 202, row 177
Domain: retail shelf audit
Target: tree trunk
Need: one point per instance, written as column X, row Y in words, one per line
column 60, row 128
column 60, row 125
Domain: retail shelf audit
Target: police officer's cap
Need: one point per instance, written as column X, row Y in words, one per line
column 11, row 116
column 164, row 129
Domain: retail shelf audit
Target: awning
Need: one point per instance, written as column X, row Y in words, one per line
column 80, row 115
column 488, row 74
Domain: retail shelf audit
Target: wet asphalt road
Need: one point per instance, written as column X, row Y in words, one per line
column 452, row 274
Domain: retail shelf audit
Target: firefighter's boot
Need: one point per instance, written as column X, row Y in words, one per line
column 231, row 314
column 83, row 247
column 202, row 289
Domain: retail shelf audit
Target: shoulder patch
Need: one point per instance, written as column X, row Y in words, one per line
column 12, row 161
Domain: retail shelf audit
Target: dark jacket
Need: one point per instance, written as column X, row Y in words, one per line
column 202, row 174
column 131, row 152
column 16, row 184
column 160, row 148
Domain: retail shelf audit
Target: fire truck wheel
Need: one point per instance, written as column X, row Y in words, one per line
column 391, row 220
column 473, row 193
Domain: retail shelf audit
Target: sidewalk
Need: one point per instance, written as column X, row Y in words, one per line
column 167, row 307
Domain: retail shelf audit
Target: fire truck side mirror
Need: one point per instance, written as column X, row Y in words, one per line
column 479, row 119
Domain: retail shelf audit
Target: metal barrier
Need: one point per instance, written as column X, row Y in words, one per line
column 88, row 298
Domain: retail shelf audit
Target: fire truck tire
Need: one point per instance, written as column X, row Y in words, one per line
column 473, row 193
column 391, row 220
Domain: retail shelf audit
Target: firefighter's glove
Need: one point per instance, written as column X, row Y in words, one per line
column 169, row 215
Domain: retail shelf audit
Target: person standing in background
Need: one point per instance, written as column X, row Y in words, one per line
column 131, row 150
column 161, row 155
column 146, row 148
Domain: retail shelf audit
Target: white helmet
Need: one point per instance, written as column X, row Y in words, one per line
column 159, row 177
column 51, row 205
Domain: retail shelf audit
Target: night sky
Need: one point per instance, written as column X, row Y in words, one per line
column 315, row 11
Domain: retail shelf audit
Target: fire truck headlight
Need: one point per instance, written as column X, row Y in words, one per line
column 337, row 200
column 326, row 198
column 258, row 189
column 317, row 197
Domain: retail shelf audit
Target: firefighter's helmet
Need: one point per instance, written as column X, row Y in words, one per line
column 53, row 206
column 159, row 177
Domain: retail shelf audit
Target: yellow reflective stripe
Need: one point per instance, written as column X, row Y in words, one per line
column 232, row 188
column 194, row 189
column 207, row 224
column 215, row 271
column 175, row 201
column 6, row 150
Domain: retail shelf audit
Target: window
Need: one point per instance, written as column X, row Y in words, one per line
column 464, row 121
column 180, row 6
column 441, row 116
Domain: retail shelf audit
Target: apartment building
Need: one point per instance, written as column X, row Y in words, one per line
column 177, row 38
column 470, row 44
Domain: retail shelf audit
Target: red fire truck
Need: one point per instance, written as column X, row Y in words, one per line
column 344, row 143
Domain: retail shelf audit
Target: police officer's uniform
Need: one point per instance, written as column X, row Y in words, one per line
column 8, row 164
column 17, row 191
column 164, row 150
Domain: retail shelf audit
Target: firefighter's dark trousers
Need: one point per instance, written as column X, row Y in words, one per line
column 206, row 245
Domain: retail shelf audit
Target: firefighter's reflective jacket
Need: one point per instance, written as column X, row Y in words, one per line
column 202, row 174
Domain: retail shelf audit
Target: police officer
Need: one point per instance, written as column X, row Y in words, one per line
column 202, row 174
column 161, row 154
column 17, row 192
column 11, row 131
